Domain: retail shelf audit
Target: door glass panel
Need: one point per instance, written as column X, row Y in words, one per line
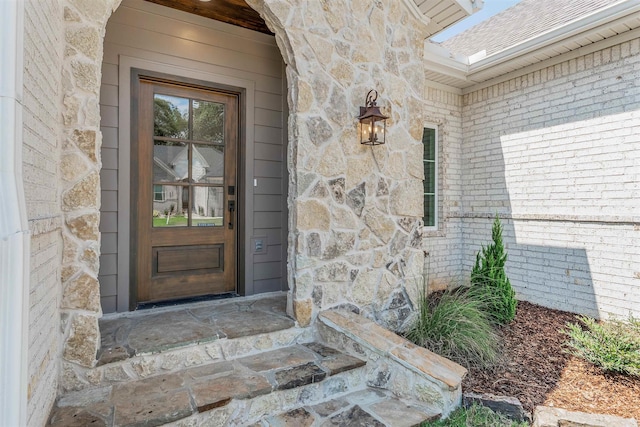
column 208, row 206
column 170, row 161
column 208, row 164
column 208, row 121
column 169, row 205
column 181, row 165
column 170, row 116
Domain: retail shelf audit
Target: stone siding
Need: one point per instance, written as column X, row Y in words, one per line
column 84, row 24
column 43, row 42
column 355, row 224
column 556, row 153
column 355, row 211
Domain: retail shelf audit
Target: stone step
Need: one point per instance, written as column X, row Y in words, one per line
column 393, row 363
column 149, row 332
column 238, row 392
column 370, row 407
column 141, row 344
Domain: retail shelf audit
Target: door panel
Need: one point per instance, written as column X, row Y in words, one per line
column 184, row 183
column 180, row 258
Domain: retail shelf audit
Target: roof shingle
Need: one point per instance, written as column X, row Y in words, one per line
column 525, row 20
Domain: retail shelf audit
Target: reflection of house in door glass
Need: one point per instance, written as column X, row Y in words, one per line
column 171, row 164
column 188, row 162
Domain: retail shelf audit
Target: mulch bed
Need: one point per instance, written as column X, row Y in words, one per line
column 535, row 370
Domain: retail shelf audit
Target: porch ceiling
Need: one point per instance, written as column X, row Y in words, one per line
column 438, row 14
column 234, row 12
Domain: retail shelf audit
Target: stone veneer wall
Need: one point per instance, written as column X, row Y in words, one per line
column 80, row 164
column 43, row 42
column 355, row 223
column 556, row 152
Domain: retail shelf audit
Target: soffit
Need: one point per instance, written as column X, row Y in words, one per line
column 440, row 14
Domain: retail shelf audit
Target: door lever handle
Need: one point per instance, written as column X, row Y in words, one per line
column 232, row 208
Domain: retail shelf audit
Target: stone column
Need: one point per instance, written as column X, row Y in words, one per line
column 85, row 22
column 355, row 211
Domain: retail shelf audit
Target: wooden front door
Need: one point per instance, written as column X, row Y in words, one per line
column 184, row 153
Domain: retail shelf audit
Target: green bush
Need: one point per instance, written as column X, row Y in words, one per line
column 475, row 416
column 488, row 275
column 454, row 325
column 613, row 346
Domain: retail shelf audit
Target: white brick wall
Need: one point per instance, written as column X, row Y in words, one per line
column 444, row 246
column 43, row 39
column 558, row 151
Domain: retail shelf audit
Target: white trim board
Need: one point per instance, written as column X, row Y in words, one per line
column 14, row 230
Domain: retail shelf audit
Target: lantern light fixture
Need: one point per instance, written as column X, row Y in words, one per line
column 373, row 124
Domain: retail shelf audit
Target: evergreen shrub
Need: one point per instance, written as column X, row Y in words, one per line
column 490, row 277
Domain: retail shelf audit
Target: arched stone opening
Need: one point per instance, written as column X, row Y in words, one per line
column 354, row 212
column 82, row 164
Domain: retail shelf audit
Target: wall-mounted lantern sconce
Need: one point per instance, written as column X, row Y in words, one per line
column 373, row 124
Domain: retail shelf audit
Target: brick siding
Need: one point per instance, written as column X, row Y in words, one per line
column 44, row 41
column 556, row 153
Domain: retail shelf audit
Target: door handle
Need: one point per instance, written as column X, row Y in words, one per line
column 232, row 208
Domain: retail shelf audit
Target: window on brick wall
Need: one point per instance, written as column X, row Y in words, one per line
column 158, row 193
column 430, row 162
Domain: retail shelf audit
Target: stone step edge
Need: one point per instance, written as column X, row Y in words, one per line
column 384, row 342
column 138, row 367
column 250, row 412
column 394, row 363
column 118, row 352
column 547, row 416
column 381, row 405
column 195, row 379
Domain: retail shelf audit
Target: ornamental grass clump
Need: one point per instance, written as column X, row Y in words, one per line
column 454, row 325
column 475, row 416
column 614, row 345
column 489, row 276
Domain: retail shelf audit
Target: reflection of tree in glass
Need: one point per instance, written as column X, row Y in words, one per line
column 168, row 121
column 208, row 121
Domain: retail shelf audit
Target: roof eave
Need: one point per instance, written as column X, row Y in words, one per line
column 437, row 20
column 442, row 60
column 470, row 6
column 475, row 70
column 579, row 26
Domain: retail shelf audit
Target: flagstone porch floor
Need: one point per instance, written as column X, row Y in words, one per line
column 159, row 329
